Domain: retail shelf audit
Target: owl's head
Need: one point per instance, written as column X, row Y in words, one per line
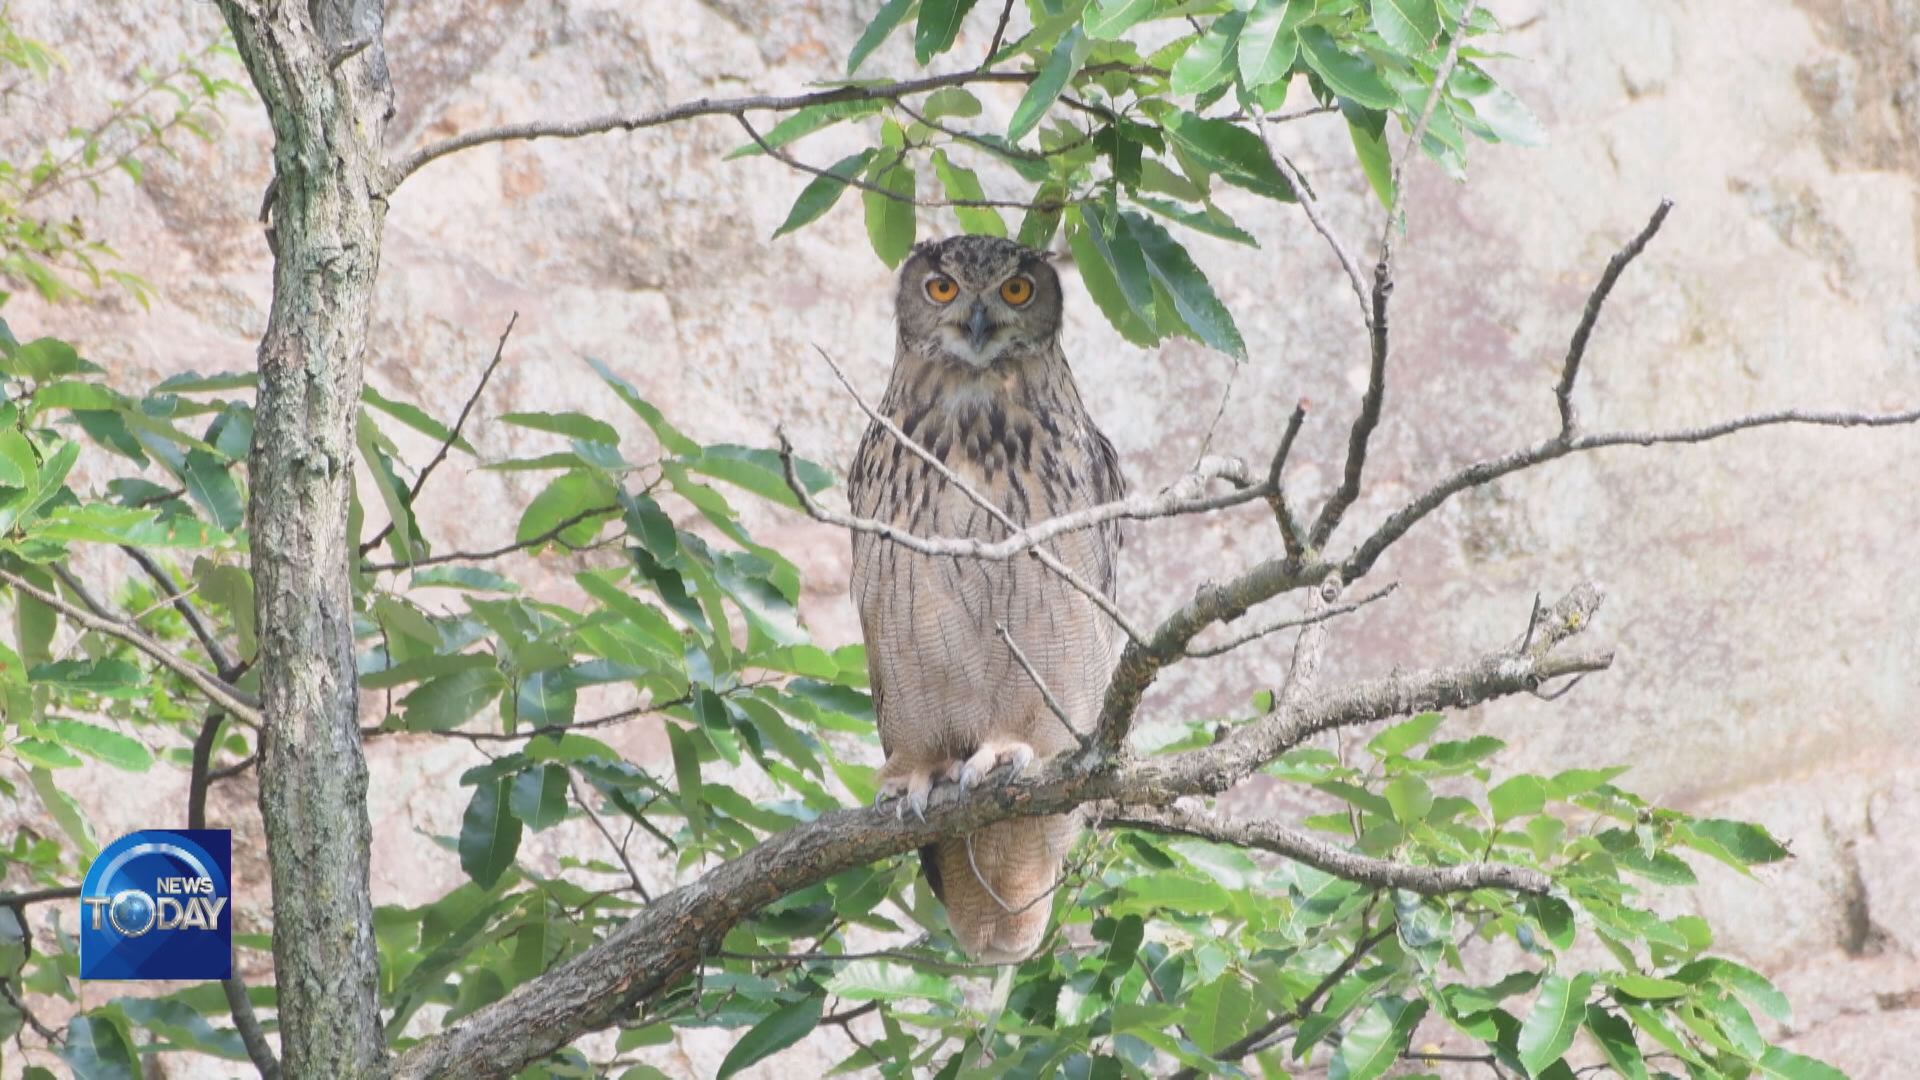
column 973, row 299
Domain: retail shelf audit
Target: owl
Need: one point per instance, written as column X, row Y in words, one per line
column 980, row 381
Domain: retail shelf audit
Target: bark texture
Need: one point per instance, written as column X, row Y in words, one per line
column 320, row 72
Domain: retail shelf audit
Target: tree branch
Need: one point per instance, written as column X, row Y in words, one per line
column 1321, row 855
column 662, row 944
column 796, row 164
column 600, row 125
column 481, row 556
column 216, row 690
column 1289, row 623
column 1481, row 473
column 1577, row 349
column 224, row 664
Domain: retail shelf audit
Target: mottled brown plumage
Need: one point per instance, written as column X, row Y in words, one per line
column 980, row 381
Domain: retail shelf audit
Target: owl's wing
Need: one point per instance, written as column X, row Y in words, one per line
column 1108, row 485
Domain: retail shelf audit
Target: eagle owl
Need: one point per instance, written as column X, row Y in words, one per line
column 980, row 381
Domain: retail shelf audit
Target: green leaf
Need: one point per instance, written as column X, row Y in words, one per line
column 884, row 22
column 1616, row 1040
column 571, row 424
column 1370, row 147
column 1347, row 75
column 117, row 750
column 939, row 24
column 410, row 415
column 1230, row 151
column 1375, row 1041
column 1410, row 798
column 66, row 813
column 489, row 834
column 806, row 121
column 1554, row 1020
column 99, row 1048
column 1174, row 891
column 778, row 1031
column 1108, row 19
column 1497, row 114
column 879, row 980
column 1787, row 1065
column 1270, row 41
column 446, row 702
column 820, row 196
column 1061, row 66
column 469, row 578
column 1407, row 26
column 686, row 774
column 1405, row 735
column 1173, row 271
column 1102, row 281
column 568, row 496
column 1515, row 797
column 890, row 219
column 50, row 358
column 1219, row 1013
column 107, row 677
column 950, row 101
column 1754, row 987
column 670, row 438
column 1210, row 61
column 1213, row 221
column 545, row 698
column 1748, row 844
column 962, row 183
column 539, row 797
column 760, row 471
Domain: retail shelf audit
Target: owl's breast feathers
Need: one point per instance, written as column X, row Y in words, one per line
column 1017, row 434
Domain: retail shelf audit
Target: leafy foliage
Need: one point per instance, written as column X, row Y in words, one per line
column 1132, row 110
column 57, row 255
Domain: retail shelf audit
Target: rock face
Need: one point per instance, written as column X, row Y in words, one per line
column 1763, row 592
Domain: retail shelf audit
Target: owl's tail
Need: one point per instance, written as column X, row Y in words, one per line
column 997, row 884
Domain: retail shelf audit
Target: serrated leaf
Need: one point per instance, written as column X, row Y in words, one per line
column 1375, row 1041
column 568, row 496
column 1270, row 41
column 97, row 1047
column 1496, row 113
column 669, row 436
column 1516, row 796
column 1782, row 1064
column 1229, row 151
column 1553, row 1021
column 1410, row 798
column 1407, row 26
column 880, row 980
column 1213, row 221
column 1210, row 61
column 823, row 193
column 1219, row 1012
column 1616, row 1040
column 938, row 25
column 118, row 750
column 950, row 101
column 489, row 834
column 890, row 217
column 571, row 424
column 961, row 184
column 1171, row 268
column 539, row 797
column 1108, row 19
column 805, row 121
column 1347, row 75
column 1184, row 893
column 447, row 701
column 1376, row 160
column 1747, row 843
column 1102, row 281
column 1405, row 735
column 1062, row 63
column 781, row 1029
column 885, row 21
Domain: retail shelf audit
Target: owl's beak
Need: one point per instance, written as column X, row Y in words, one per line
column 979, row 329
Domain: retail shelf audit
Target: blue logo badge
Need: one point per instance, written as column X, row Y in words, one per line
column 156, row 906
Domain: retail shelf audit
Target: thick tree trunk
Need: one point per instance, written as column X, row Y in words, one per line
column 320, row 71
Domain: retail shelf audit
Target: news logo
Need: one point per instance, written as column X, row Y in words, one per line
column 156, row 906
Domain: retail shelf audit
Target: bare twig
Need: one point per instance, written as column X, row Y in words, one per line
column 1311, row 206
column 1419, row 133
column 619, row 849
column 216, row 690
column 1290, row 527
column 1481, row 473
column 1046, row 694
column 1289, row 623
column 1352, row 866
column 1577, row 349
column 36, row 896
column 453, row 435
column 999, row 34
column 223, row 662
column 481, row 556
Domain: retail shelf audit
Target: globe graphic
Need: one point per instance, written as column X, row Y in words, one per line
column 131, row 912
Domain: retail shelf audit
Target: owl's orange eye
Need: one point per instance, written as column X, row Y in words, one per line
column 1016, row 290
column 941, row 289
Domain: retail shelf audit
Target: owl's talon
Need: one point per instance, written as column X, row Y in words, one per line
column 1016, row 755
